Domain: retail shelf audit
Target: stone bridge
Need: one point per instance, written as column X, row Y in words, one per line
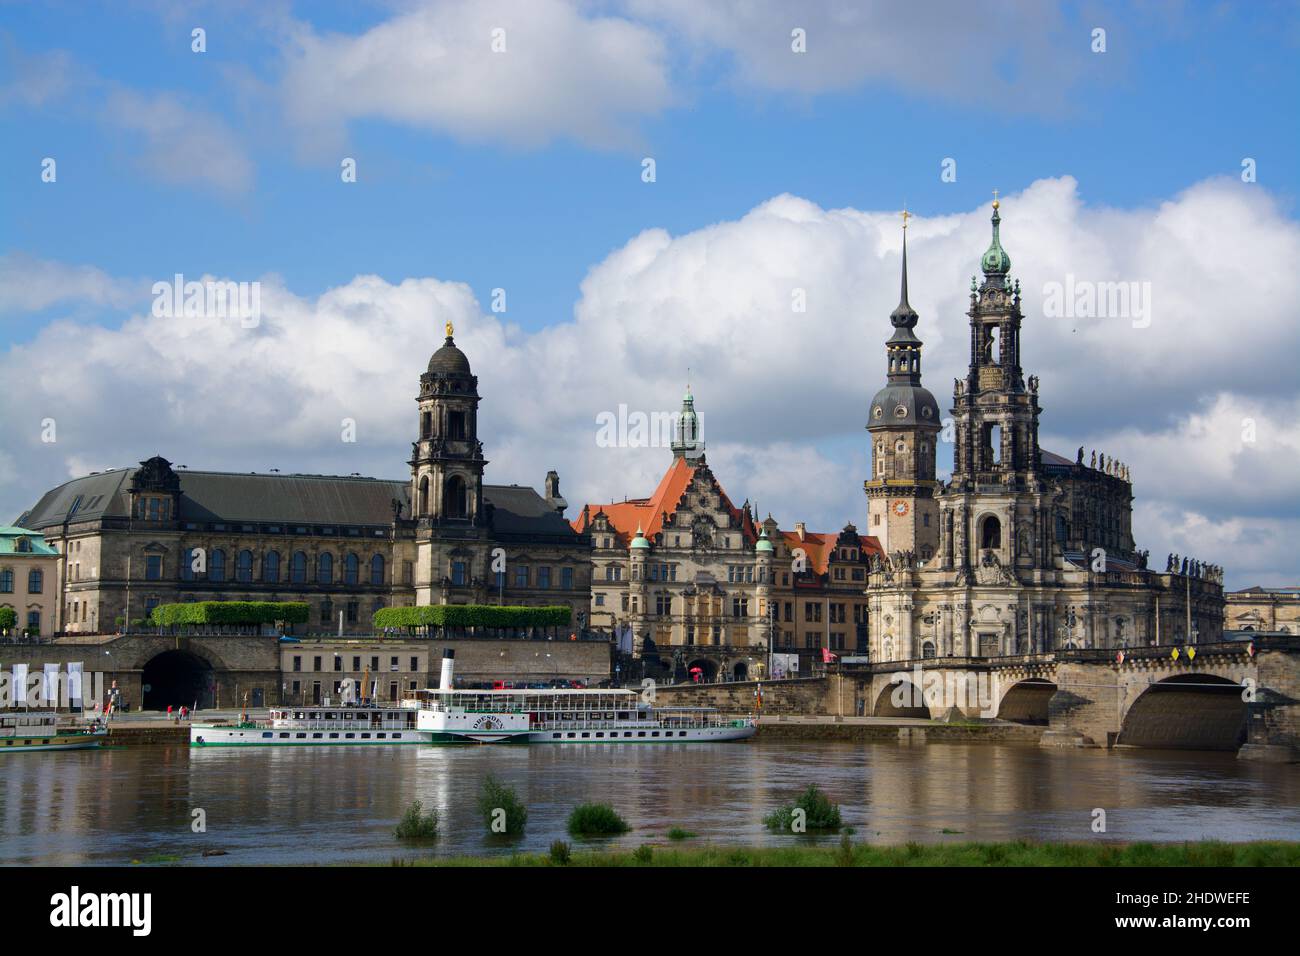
column 1208, row 696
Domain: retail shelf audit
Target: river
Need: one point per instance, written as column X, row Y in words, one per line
column 307, row 805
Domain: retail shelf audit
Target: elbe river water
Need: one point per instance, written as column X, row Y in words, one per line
column 309, row 805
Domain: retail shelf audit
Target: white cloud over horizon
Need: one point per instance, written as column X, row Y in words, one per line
column 783, row 394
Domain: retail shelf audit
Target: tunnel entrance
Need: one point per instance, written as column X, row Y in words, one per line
column 1187, row 712
column 176, row 678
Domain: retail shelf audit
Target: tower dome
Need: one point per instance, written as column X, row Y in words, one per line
column 995, row 261
column 449, row 360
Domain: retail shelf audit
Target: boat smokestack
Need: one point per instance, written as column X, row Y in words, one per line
column 448, row 669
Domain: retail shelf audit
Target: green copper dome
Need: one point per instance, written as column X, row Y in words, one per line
column 763, row 543
column 995, row 261
column 640, row 541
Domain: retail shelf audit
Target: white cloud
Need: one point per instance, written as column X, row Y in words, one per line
column 181, row 144
column 783, row 394
column 562, row 75
column 28, row 284
column 1019, row 55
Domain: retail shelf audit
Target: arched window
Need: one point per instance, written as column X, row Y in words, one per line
column 298, row 568
column 423, row 503
column 325, row 569
column 927, row 649
column 991, row 532
column 217, row 565
column 244, row 566
column 35, row 581
column 453, row 497
column 271, row 567
column 377, row 570
column 351, row 566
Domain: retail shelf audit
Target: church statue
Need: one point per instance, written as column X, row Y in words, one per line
column 1093, row 464
column 1079, row 459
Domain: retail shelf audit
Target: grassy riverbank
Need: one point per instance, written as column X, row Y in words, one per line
column 1020, row 853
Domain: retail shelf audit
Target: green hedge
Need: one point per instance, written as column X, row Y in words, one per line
column 231, row 612
column 472, row 615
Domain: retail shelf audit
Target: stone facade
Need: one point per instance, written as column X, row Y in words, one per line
column 132, row 538
column 1263, row 609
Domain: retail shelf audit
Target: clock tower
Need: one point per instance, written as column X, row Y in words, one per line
column 902, row 513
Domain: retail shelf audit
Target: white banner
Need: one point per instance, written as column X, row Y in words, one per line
column 20, row 685
column 74, row 684
column 50, row 686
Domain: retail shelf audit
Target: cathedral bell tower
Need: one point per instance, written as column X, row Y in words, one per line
column 903, row 422
column 447, row 462
column 996, row 417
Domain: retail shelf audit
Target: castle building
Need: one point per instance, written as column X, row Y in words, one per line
column 132, row 538
column 1021, row 550
column 702, row 585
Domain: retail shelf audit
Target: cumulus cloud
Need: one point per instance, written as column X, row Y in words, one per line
column 29, row 284
column 522, row 72
column 783, row 393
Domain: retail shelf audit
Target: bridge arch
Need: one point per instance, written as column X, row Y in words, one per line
column 1025, row 702
column 901, row 699
column 1194, row 711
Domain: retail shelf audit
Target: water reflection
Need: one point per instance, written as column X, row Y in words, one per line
column 317, row 805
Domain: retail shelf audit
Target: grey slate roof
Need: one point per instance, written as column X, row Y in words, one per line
column 233, row 498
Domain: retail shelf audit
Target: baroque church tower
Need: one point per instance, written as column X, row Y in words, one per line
column 996, row 506
column 447, row 462
column 904, row 421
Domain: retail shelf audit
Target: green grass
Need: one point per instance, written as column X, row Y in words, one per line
column 677, row 833
column 1018, row 853
column 596, row 819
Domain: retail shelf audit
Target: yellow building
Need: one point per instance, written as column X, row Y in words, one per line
column 29, row 581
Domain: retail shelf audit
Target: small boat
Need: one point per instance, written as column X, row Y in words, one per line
column 569, row 716
column 40, row 730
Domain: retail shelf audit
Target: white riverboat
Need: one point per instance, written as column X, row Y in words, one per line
column 40, row 730
column 566, row 716
column 324, row 725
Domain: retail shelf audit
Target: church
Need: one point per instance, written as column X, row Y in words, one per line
column 130, row 539
column 1021, row 550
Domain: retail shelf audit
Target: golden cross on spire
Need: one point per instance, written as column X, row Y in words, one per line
column 995, row 199
column 906, row 215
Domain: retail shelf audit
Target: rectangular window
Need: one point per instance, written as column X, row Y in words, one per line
column 315, row 663
column 153, row 567
column 415, row 663
column 458, row 573
column 521, row 576
column 356, row 663
column 543, row 577
column 566, row 578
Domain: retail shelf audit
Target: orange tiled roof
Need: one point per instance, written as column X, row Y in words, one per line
column 647, row 513
column 819, row 545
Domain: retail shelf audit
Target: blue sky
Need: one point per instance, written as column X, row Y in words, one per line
column 112, row 91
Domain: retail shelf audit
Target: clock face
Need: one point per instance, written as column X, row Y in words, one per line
column 900, row 508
